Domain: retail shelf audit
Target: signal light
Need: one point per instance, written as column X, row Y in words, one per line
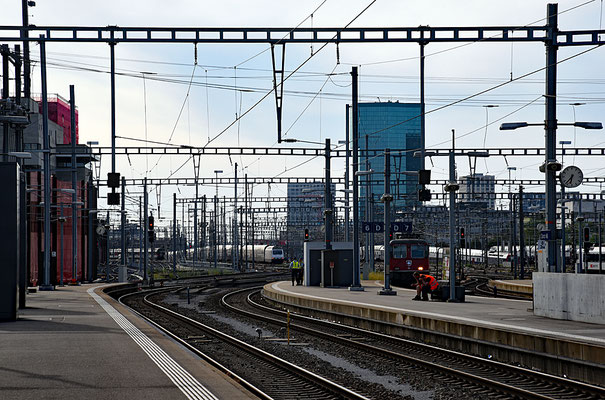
column 151, row 233
column 586, row 234
column 306, row 235
column 461, row 233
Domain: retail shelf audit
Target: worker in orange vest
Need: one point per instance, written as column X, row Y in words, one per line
column 425, row 284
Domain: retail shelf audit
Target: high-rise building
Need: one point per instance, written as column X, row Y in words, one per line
column 478, row 189
column 395, row 126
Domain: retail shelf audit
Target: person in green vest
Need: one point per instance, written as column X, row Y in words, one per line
column 295, row 268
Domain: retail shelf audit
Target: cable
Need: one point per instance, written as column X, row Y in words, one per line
column 288, row 76
column 486, row 90
column 178, row 118
column 469, row 43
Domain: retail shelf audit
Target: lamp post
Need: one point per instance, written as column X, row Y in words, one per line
column 551, row 166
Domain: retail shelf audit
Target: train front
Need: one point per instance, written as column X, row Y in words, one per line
column 408, row 256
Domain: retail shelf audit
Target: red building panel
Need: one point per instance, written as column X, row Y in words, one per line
column 60, row 113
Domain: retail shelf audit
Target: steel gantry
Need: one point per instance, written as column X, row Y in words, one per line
column 549, row 35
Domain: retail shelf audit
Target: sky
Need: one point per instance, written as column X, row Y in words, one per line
column 164, row 96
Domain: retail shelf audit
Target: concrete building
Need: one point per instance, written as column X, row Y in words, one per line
column 29, row 138
column 478, row 189
column 395, row 126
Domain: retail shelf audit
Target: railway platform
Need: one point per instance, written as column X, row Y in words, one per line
column 492, row 327
column 524, row 286
column 78, row 343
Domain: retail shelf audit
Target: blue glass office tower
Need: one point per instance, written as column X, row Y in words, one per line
column 395, row 126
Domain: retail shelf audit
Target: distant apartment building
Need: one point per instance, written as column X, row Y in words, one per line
column 306, row 203
column 305, row 211
column 478, row 189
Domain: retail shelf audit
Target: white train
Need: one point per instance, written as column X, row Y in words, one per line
column 261, row 253
column 474, row 256
column 590, row 261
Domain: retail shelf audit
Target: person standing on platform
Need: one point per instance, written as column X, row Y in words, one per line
column 299, row 278
column 425, row 284
column 294, row 268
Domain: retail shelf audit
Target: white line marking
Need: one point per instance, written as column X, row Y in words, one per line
column 455, row 318
column 182, row 379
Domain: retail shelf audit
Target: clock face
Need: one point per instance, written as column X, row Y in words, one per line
column 571, row 176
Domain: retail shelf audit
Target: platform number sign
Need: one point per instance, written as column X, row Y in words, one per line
column 401, row 227
column 372, row 227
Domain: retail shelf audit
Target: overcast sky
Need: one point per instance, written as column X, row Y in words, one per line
column 230, row 79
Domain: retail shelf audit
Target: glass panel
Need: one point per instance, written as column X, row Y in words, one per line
column 400, row 251
column 418, row 251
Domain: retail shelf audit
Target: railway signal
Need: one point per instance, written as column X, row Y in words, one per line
column 306, row 235
column 151, row 231
column 462, row 238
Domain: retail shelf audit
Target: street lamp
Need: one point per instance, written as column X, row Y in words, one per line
column 509, row 126
column 550, row 168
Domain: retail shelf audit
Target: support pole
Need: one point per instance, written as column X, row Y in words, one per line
column 422, row 119
column 26, row 63
column 386, row 199
column 600, row 250
column 46, row 152
column 61, row 240
column 550, row 127
column 74, row 186
column 123, row 228
column 347, row 175
column 112, row 57
column 174, row 237
column 235, row 238
column 146, row 229
column 214, row 231
column 563, row 258
column 328, row 212
column 369, row 245
column 246, row 217
column 355, row 285
column 452, row 180
column 522, row 236
column 580, row 218
column 141, row 234
column 91, row 257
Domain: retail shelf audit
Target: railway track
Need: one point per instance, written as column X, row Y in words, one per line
column 483, row 376
column 264, row 374
column 478, row 285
